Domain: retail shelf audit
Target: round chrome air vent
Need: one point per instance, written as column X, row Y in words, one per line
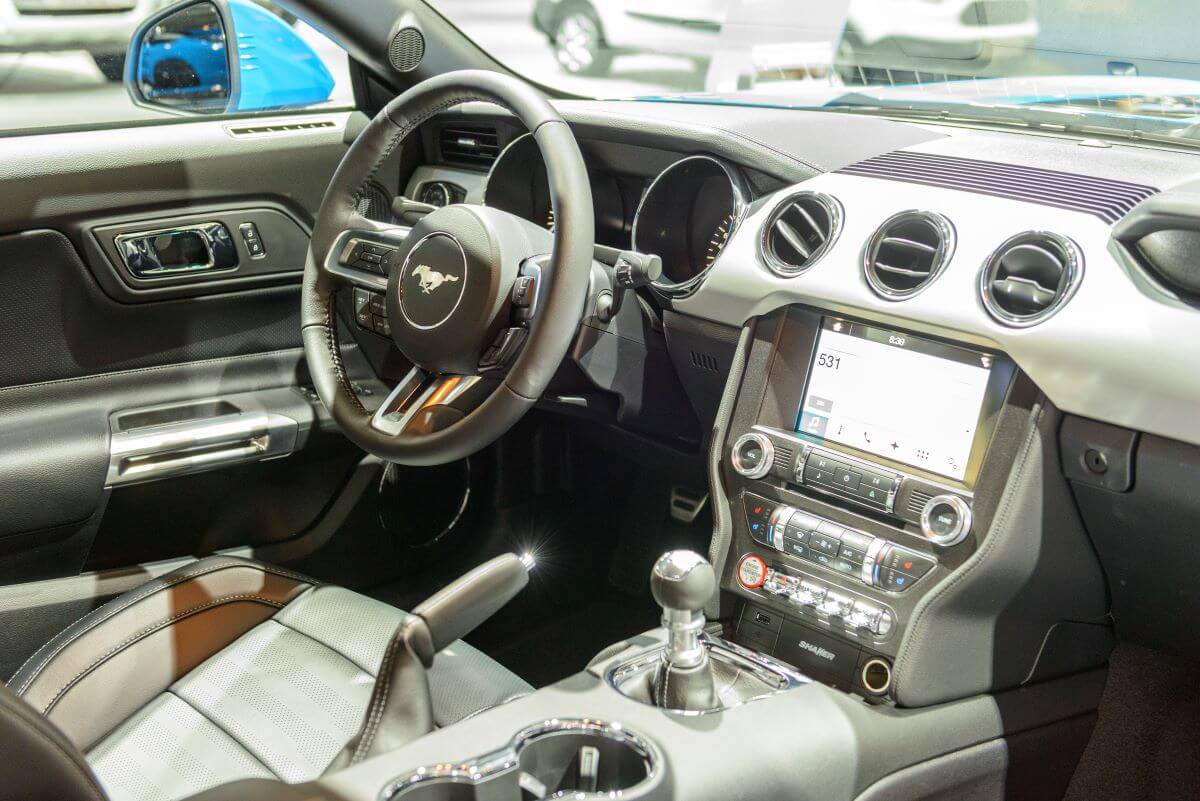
column 1030, row 277
column 907, row 253
column 799, row 232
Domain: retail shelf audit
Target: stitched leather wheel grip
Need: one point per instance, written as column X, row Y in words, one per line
column 560, row 301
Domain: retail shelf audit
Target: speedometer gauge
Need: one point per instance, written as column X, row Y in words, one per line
column 686, row 218
column 716, row 243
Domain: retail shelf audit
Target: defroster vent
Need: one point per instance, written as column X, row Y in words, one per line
column 1105, row 198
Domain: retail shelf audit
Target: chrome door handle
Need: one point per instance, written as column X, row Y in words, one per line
column 202, row 247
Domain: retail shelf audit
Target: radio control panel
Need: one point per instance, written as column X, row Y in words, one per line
column 942, row 512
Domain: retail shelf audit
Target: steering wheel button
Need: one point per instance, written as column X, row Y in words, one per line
column 503, row 347
column 523, row 291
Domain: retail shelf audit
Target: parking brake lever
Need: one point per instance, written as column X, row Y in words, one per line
column 456, row 610
column 401, row 709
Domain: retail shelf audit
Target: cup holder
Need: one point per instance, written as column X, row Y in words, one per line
column 575, row 759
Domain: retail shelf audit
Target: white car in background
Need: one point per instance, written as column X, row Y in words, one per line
column 886, row 41
column 100, row 27
column 588, row 34
column 788, row 37
column 732, row 39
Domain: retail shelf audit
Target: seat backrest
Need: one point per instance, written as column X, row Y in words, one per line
column 39, row 763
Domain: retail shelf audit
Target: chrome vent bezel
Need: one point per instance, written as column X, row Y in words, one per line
column 940, row 256
column 833, row 211
column 1072, row 266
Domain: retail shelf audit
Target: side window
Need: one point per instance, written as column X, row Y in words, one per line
column 125, row 61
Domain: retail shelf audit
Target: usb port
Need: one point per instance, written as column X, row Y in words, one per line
column 762, row 619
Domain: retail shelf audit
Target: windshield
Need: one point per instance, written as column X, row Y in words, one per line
column 1105, row 67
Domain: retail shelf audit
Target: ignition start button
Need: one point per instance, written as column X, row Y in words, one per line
column 752, row 571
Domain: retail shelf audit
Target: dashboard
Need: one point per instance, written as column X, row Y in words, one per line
column 925, row 311
column 993, row 240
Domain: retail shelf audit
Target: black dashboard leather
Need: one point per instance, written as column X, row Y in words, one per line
column 789, row 144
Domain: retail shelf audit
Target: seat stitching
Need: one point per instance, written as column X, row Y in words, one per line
column 148, row 630
column 142, row 592
column 58, row 746
column 322, row 643
column 339, row 370
column 153, row 587
column 382, row 686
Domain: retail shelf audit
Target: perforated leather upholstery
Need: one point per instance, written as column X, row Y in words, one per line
column 278, row 695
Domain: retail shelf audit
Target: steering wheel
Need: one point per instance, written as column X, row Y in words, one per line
column 484, row 304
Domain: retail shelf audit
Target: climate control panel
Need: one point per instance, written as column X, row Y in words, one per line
column 873, row 561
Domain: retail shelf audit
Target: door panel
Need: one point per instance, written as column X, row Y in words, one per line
column 57, row 323
column 56, row 179
column 83, row 340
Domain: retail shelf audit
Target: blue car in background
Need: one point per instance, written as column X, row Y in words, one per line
column 271, row 66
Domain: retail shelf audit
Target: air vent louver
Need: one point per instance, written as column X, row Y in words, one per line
column 800, row 231
column 475, row 145
column 917, row 500
column 908, row 251
column 1030, row 277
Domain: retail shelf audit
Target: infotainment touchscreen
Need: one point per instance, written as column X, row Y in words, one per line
column 911, row 400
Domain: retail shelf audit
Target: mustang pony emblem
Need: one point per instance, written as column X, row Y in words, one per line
column 431, row 279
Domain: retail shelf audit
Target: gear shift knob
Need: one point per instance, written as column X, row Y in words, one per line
column 682, row 583
column 682, row 580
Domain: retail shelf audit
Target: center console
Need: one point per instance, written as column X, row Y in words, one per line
column 852, row 464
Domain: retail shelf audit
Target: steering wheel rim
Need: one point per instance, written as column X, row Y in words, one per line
column 493, row 238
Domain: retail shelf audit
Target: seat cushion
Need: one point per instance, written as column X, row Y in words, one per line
column 280, row 699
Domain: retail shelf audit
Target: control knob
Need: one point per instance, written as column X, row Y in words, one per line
column 946, row 520
column 753, row 455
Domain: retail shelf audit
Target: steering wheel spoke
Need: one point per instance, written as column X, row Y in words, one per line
column 364, row 252
column 423, row 403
